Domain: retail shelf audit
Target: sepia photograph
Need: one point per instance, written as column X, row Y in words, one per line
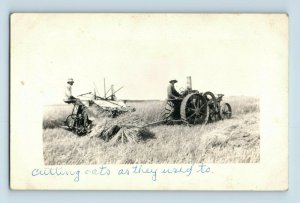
column 157, row 89
column 169, row 94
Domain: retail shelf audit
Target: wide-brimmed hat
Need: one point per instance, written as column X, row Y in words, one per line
column 70, row 80
column 173, row 80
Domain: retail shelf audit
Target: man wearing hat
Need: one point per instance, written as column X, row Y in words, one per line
column 172, row 93
column 69, row 98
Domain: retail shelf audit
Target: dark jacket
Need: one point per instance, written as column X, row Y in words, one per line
column 172, row 93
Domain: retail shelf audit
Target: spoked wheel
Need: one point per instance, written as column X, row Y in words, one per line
column 70, row 121
column 168, row 112
column 213, row 106
column 225, row 112
column 211, row 99
column 194, row 109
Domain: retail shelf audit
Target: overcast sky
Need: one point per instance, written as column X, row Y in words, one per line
column 222, row 53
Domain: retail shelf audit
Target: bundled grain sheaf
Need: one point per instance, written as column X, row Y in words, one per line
column 132, row 134
column 127, row 127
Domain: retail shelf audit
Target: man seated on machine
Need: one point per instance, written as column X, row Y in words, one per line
column 176, row 98
column 70, row 99
column 172, row 93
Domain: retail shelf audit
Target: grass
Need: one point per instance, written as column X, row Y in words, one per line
column 235, row 140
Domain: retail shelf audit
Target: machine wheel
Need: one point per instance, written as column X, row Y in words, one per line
column 194, row 109
column 70, row 121
column 213, row 106
column 211, row 100
column 76, row 124
column 225, row 112
column 168, row 112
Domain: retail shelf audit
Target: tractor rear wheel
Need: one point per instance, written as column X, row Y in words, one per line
column 194, row 109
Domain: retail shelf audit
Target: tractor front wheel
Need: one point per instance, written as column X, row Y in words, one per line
column 225, row 112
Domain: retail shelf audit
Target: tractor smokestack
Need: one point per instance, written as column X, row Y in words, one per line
column 112, row 92
column 189, row 82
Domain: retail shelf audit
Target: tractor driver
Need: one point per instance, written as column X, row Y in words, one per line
column 172, row 93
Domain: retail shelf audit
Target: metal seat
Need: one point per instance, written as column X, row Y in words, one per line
column 70, row 101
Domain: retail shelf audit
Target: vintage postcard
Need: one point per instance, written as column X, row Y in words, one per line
column 141, row 101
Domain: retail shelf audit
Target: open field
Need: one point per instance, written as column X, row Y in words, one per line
column 235, row 140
